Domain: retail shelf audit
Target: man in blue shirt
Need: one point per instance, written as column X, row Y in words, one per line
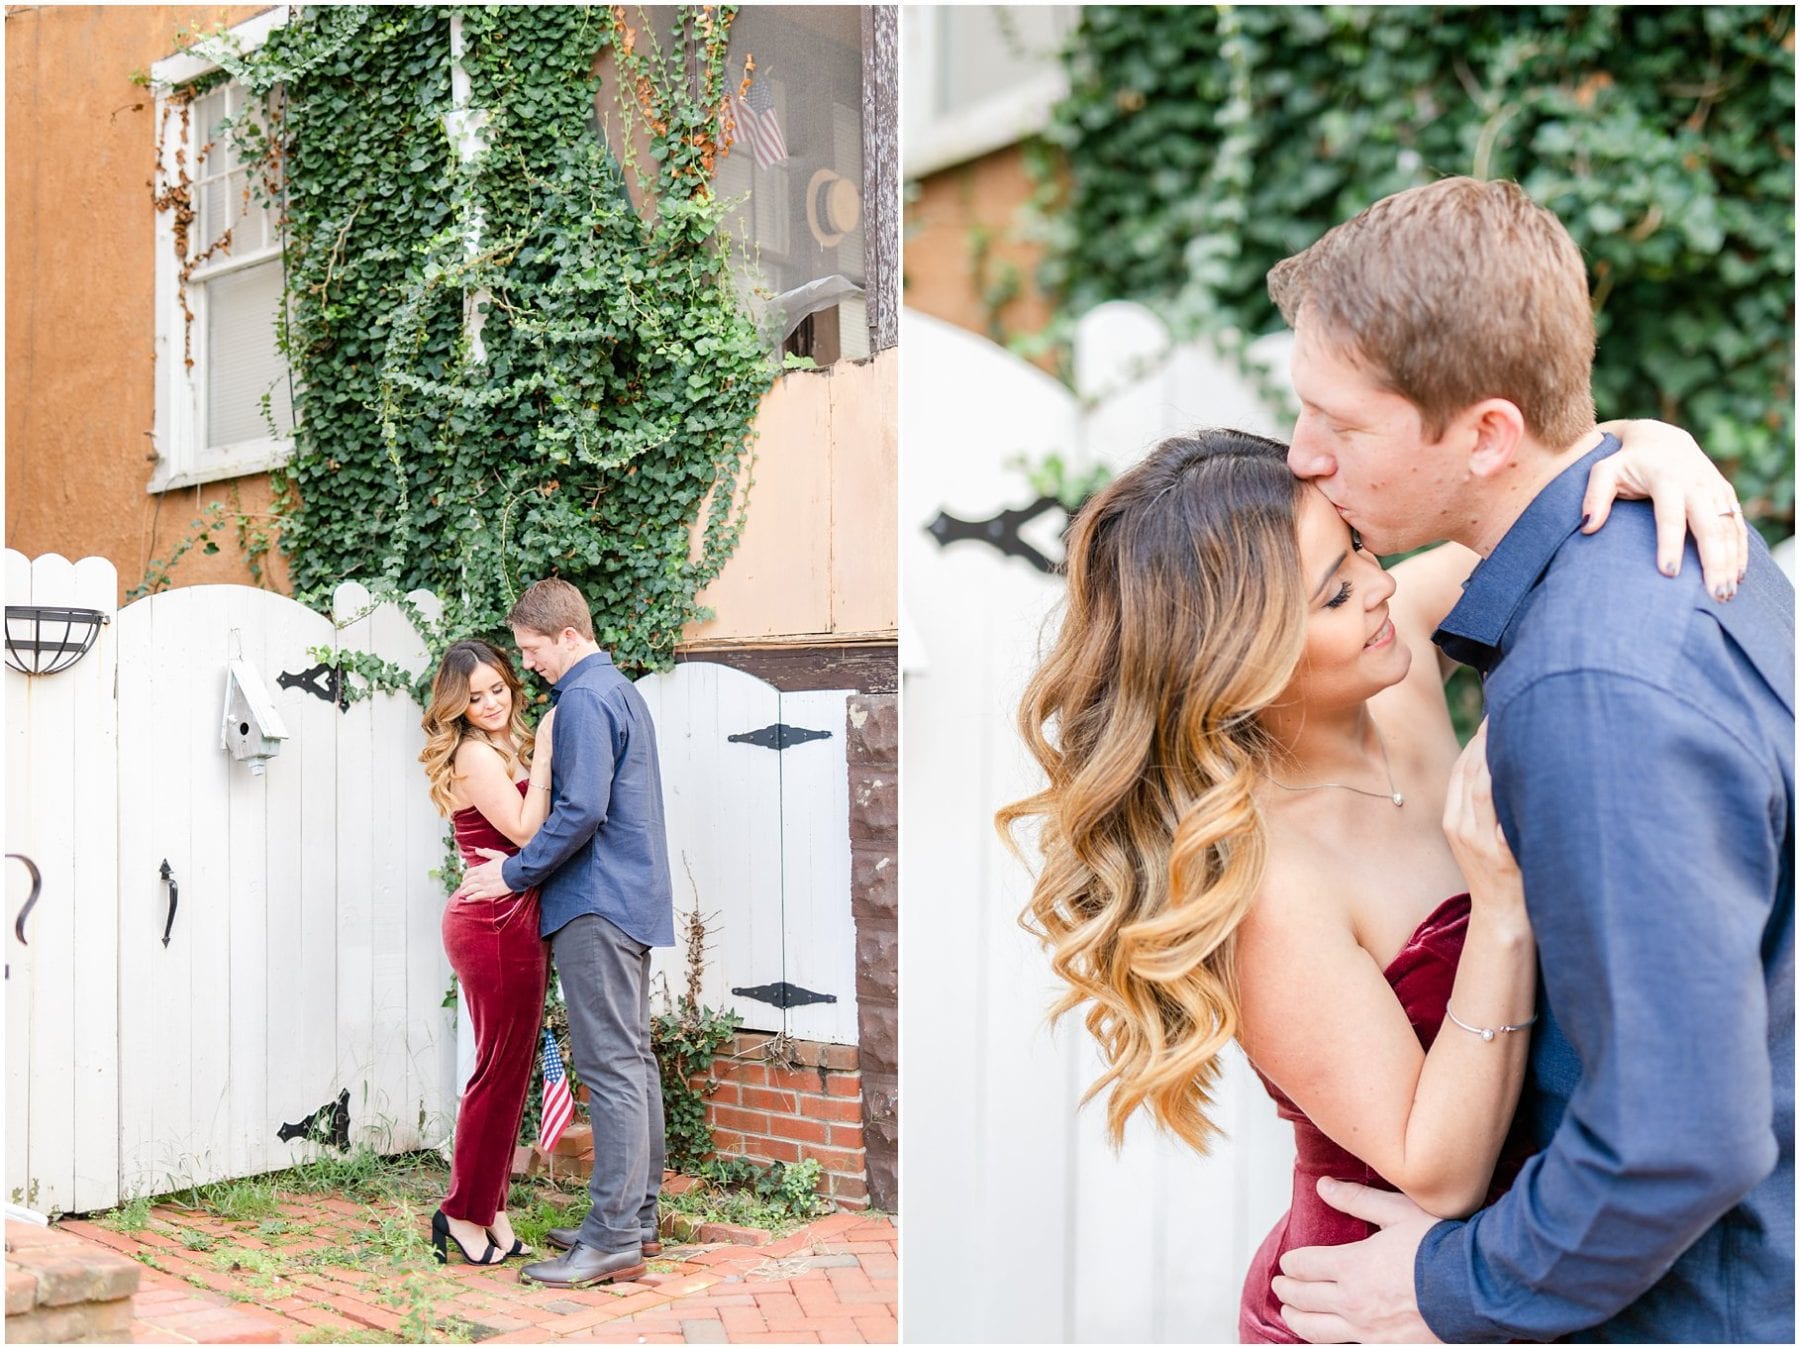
column 601, row 862
column 1641, row 736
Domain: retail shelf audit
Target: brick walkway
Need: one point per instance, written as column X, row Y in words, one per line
column 207, row 1280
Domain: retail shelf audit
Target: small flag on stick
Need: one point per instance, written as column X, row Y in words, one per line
column 559, row 1106
column 760, row 127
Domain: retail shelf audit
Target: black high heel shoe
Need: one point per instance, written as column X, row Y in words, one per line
column 518, row 1247
column 441, row 1235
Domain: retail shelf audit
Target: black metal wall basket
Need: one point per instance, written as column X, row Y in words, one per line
column 45, row 639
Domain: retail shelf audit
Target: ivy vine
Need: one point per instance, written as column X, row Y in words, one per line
column 1198, row 146
column 503, row 369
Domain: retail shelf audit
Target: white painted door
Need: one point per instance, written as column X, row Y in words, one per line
column 756, row 794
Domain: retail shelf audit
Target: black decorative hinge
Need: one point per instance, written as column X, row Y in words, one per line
column 778, row 736
column 330, row 1123
column 1000, row 533
column 325, row 682
column 783, row 994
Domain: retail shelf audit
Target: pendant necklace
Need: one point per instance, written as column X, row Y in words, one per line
column 1393, row 793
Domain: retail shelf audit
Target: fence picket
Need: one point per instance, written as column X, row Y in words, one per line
column 169, row 774
column 396, row 793
column 21, row 960
column 206, row 898
column 819, row 934
column 141, row 1038
column 96, row 896
column 296, row 1007
column 355, row 1064
column 248, row 1135
column 430, row 1042
column 312, row 1037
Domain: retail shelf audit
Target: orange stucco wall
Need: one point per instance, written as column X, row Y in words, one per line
column 80, row 293
column 946, row 221
column 817, row 555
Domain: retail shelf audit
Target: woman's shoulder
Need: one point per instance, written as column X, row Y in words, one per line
column 1301, row 897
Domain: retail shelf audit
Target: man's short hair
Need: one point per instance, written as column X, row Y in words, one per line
column 551, row 605
column 1454, row 292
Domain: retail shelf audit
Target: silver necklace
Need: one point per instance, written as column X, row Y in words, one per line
column 1393, row 793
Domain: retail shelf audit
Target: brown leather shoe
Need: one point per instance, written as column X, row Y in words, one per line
column 583, row 1266
column 564, row 1237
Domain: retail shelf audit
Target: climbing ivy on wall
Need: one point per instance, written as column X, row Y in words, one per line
column 503, row 370
column 1198, row 146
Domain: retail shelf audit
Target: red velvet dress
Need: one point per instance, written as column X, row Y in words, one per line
column 1421, row 977
column 502, row 966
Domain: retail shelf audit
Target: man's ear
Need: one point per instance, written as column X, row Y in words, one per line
column 1495, row 429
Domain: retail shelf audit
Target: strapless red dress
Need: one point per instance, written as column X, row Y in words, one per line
column 502, row 965
column 1421, row 977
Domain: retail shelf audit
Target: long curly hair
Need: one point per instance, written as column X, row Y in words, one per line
column 446, row 724
column 1185, row 619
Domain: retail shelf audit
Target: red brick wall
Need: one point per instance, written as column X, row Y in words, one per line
column 814, row 1109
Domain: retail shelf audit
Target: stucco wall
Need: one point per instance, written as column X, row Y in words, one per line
column 947, row 222
column 80, row 293
column 817, row 556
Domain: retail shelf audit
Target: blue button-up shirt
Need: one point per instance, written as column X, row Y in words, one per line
column 604, row 848
column 1641, row 738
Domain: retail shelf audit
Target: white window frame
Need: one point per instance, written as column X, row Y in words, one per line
column 932, row 141
column 179, row 428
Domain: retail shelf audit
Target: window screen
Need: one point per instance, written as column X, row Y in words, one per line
column 793, row 177
column 235, row 287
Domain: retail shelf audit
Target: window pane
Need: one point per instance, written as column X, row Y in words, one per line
column 242, row 362
column 793, row 177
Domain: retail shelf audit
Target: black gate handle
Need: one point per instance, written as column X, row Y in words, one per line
column 37, row 884
column 174, row 896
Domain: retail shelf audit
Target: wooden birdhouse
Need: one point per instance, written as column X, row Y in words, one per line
column 252, row 729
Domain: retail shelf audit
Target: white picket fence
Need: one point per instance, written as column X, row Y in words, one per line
column 1022, row 1224
column 304, row 955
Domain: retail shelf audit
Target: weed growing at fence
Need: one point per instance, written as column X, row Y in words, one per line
column 777, row 1197
column 131, row 1216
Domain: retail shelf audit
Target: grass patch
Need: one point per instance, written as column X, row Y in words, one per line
column 776, row 1198
column 131, row 1216
column 238, row 1200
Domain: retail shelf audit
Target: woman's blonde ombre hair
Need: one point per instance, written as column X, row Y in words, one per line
column 446, row 725
column 1185, row 619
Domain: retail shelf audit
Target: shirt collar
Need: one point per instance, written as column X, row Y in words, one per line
column 596, row 660
column 1472, row 631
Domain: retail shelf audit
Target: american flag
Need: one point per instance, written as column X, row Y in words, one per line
column 759, row 124
column 559, row 1106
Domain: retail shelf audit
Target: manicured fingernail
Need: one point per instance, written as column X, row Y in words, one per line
column 1722, row 592
column 1587, row 518
column 1668, row 569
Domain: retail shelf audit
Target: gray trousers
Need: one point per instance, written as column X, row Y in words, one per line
column 606, row 985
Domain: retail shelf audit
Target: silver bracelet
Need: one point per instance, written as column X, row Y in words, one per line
column 1487, row 1032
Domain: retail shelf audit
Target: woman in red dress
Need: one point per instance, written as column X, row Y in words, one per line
column 484, row 776
column 1258, row 826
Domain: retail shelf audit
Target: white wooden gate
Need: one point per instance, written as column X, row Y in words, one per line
column 757, row 797
column 162, row 1030
column 1151, row 1243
